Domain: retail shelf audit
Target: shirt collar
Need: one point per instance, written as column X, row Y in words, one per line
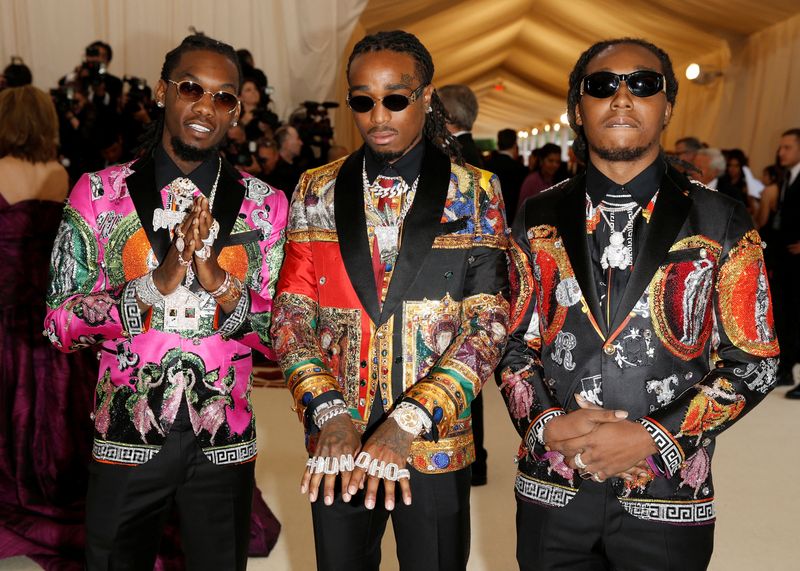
column 203, row 176
column 408, row 166
column 642, row 187
column 793, row 172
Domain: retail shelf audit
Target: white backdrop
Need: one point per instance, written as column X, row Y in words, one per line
column 297, row 43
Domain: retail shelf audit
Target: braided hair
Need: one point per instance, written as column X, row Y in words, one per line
column 194, row 43
column 435, row 129
column 581, row 146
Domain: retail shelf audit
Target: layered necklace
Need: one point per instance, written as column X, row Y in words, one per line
column 619, row 252
column 386, row 222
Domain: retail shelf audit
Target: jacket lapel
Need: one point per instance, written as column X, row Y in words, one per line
column 227, row 203
column 571, row 218
column 351, row 228
column 672, row 208
column 421, row 226
column 146, row 198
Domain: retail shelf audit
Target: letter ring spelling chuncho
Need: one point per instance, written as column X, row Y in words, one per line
column 403, row 473
column 391, row 472
column 331, row 465
column 377, row 468
column 346, row 463
column 312, row 464
column 579, row 463
column 363, row 460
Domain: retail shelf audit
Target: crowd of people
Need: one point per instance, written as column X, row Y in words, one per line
column 621, row 302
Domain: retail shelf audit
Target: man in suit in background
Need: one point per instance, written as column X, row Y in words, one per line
column 511, row 172
column 462, row 109
column 787, row 268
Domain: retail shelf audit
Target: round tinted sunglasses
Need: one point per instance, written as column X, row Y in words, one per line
column 394, row 102
column 604, row 84
column 194, row 92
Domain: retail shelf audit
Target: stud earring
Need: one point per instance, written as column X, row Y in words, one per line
column 160, row 103
column 234, row 123
column 429, row 109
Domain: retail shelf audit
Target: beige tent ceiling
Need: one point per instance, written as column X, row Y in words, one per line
column 531, row 45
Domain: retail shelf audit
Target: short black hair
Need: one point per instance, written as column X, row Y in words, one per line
column 17, row 74
column 506, row 139
column 795, row 132
column 193, row 43
column 399, row 41
column 691, row 143
column 105, row 46
column 579, row 72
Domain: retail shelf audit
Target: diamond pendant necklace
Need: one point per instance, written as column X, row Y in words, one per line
column 619, row 252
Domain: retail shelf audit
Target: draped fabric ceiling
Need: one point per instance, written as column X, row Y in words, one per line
column 527, row 46
column 530, row 46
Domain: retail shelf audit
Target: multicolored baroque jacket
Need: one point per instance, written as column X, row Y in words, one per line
column 107, row 239
column 443, row 325
column 691, row 350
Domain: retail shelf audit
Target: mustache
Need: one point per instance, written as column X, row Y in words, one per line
column 381, row 130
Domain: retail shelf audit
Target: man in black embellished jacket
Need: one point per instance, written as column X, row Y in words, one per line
column 641, row 329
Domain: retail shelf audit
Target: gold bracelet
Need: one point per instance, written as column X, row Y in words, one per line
column 232, row 293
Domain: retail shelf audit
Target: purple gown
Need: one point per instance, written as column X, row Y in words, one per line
column 46, row 398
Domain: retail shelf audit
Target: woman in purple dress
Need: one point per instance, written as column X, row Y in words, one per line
column 45, row 396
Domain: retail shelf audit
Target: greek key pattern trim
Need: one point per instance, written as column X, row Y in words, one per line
column 115, row 453
column 232, row 454
column 131, row 316
column 535, row 434
column 238, row 317
column 671, row 453
column 687, row 513
column 543, row 492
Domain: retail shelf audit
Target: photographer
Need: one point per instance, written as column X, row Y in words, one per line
column 287, row 172
column 78, row 120
column 105, row 89
column 138, row 111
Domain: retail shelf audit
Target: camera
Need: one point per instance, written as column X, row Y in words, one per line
column 139, row 93
column 63, row 99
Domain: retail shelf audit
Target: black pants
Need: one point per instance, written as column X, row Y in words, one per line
column 127, row 507
column 432, row 533
column 595, row 533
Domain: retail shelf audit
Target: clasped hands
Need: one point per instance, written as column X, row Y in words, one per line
column 381, row 458
column 605, row 442
column 192, row 248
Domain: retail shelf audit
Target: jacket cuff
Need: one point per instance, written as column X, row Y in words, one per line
column 535, row 433
column 437, row 394
column 308, row 382
column 671, row 453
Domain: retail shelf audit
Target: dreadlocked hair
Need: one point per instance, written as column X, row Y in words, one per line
column 194, row 43
column 581, row 146
column 435, row 129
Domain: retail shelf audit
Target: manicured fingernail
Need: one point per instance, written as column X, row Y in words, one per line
column 303, row 489
column 579, row 397
column 346, row 497
column 312, row 497
column 369, row 504
column 407, row 500
column 389, row 505
column 351, row 490
column 621, row 413
column 328, row 500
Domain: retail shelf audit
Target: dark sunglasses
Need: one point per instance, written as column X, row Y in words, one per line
column 395, row 102
column 604, row 84
column 194, row 92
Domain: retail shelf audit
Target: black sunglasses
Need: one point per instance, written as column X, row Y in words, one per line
column 194, row 92
column 604, row 84
column 394, row 102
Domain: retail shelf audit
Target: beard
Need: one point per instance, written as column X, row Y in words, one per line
column 625, row 154
column 387, row 157
column 192, row 154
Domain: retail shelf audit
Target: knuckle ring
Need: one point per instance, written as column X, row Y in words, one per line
column 403, row 473
column 363, row 460
column 331, row 465
column 346, row 463
column 391, row 472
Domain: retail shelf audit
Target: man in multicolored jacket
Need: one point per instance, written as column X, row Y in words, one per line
column 641, row 329
column 390, row 315
column 168, row 266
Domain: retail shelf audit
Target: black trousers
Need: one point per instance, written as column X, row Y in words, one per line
column 432, row 534
column 595, row 533
column 128, row 506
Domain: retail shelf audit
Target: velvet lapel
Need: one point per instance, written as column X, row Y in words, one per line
column 351, row 228
column 672, row 208
column 572, row 228
column 421, row 226
column 146, row 198
column 227, row 202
